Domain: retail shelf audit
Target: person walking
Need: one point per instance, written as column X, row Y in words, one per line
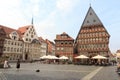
column 5, row 64
column 18, row 64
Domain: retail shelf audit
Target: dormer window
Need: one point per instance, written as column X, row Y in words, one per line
column 90, row 13
column 14, row 33
column 14, row 37
column 87, row 21
column 94, row 20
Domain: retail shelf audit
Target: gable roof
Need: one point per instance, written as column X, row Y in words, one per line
column 9, row 30
column 91, row 18
column 41, row 40
column 60, row 37
column 24, row 29
column 49, row 42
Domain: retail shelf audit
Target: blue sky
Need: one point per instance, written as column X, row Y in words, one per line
column 53, row 17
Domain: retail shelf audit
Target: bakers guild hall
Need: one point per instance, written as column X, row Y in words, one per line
column 92, row 39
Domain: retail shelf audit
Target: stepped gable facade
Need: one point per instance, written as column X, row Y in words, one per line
column 32, row 46
column 19, row 44
column 28, row 33
column 92, row 38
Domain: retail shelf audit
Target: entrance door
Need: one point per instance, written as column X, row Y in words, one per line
column 26, row 56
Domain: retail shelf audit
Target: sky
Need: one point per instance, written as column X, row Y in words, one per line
column 52, row 17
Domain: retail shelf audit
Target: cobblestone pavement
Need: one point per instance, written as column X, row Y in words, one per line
column 107, row 73
column 57, row 72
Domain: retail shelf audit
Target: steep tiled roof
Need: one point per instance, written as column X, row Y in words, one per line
column 91, row 20
column 20, row 35
column 8, row 30
column 42, row 40
column 49, row 42
column 24, row 29
column 63, row 36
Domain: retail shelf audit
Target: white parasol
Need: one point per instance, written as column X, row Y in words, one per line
column 82, row 57
column 99, row 57
column 63, row 57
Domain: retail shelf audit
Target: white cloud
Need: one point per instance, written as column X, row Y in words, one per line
column 35, row 5
column 47, row 23
column 35, row 1
column 65, row 5
column 9, row 3
column 45, row 28
column 10, row 13
column 36, row 10
column 13, row 19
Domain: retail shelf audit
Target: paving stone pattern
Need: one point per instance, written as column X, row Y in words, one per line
column 58, row 72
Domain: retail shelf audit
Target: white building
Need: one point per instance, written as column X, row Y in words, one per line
column 31, row 48
column 12, row 43
column 20, row 44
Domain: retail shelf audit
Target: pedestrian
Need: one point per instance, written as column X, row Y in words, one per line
column 18, row 64
column 5, row 64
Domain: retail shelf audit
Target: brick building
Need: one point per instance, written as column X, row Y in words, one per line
column 92, row 38
column 50, row 47
column 64, row 45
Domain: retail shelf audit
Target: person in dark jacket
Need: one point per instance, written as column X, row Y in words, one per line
column 18, row 64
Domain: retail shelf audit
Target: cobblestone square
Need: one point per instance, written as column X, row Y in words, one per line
column 58, row 72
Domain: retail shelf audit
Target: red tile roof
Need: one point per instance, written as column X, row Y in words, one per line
column 24, row 29
column 63, row 36
column 49, row 42
column 8, row 30
column 41, row 39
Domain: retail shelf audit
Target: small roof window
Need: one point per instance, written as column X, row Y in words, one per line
column 87, row 21
column 90, row 13
column 94, row 20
